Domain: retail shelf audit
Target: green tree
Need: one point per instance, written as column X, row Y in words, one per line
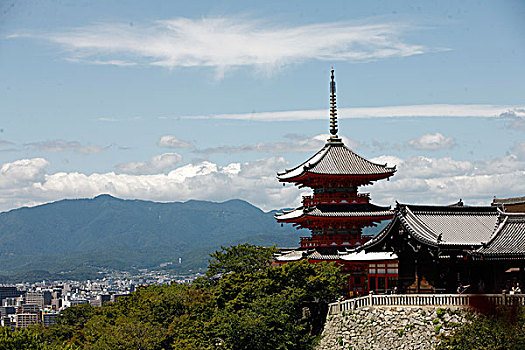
column 29, row 339
column 503, row 330
column 243, row 303
column 240, row 258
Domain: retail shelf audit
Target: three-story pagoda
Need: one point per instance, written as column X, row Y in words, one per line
column 336, row 212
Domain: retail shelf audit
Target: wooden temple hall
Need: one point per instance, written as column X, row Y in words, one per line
column 422, row 249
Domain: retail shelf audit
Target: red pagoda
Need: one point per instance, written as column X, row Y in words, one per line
column 336, row 212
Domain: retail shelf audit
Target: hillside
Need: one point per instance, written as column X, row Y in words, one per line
column 82, row 235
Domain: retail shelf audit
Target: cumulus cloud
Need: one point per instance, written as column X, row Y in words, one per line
column 170, row 141
column 432, row 142
column 22, row 172
column 445, row 180
column 157, row 164
column 226, row 42
column 252, row 181
column 62, row 145
column 294, row 143
column 418, row 180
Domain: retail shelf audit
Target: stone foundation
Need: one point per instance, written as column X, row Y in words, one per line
column 390, row 328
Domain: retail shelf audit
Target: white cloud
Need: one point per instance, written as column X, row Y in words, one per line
column 432, row 142
column 445, row 180
column 118, row 63
column 410, row 111
column 418, row 180
column 23, row 171
column 62, row 145
column 222, row 43
column 170, row 141
column 157, row 164
column 252, row 181
column 297, row 143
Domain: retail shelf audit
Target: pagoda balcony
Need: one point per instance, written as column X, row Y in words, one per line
column 334, row 240
column 336, row 198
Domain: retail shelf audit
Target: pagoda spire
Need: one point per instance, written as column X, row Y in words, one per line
column 333, row 109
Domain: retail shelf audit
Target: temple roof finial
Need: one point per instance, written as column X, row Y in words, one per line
column 333, row 108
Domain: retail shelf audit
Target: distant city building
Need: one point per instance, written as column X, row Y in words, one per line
column 13, row 301
column 49, row 318
column 7, row 310
column 9, row 292
column 27, row 319
column 28, row 308
column 36, row 298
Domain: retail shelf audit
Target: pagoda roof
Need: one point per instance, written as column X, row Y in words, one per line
column 442, row 226
column 336, row 159
column 334, row 253
column 508, row 241
column 336, row 211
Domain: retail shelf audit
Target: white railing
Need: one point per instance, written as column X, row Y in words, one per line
column 446, row 300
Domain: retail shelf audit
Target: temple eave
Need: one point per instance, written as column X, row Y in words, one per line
column 308, row 178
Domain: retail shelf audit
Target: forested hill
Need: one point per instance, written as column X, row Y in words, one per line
column 83, row 235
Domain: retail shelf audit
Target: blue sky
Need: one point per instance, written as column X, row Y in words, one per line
column 172, row 101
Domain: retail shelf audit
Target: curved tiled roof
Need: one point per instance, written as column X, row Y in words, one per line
column 442, row 225
column 336, row 159
column 359, row 210
column 449, row 225
column 509, row 239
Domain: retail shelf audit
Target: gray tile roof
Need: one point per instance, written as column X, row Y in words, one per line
column 336, row 159
column 442, row 225
column 509, row 239
column 452, row 226
column 316, row 255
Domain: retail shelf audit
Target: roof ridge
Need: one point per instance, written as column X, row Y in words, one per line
column 422, row 225
column 325, row 148
column 369, row 161
column 495, row 234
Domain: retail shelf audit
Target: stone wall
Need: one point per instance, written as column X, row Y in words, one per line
column 390, row 328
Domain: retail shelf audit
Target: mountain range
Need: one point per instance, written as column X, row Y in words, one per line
column 76, row 238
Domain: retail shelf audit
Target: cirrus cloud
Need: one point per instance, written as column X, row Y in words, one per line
column 62, row 146
column 408, row 111
column 294, row 143
column 226, row 42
